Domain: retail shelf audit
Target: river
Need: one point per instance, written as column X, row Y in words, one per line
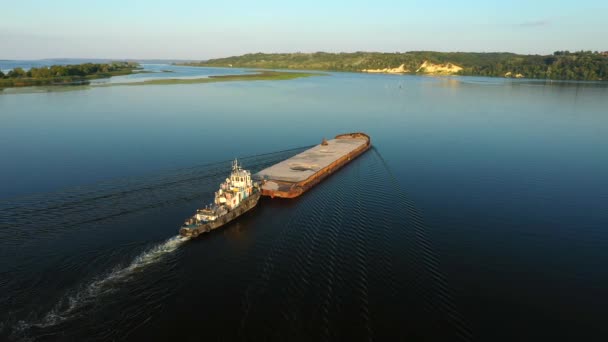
column 479, row 214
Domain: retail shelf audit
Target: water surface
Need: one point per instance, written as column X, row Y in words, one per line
column 480, row 213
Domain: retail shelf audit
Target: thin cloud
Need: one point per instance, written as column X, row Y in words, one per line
column 534, row 23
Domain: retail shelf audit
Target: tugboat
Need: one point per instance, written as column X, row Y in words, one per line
column 237, row 195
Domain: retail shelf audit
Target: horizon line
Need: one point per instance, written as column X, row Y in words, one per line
column 292, row 52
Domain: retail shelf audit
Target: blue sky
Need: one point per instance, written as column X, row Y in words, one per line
column 188, row 29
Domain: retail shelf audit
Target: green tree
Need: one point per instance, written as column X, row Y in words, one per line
column 17, row 73
column 566, row 65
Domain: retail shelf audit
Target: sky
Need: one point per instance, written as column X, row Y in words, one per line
column 200, row 29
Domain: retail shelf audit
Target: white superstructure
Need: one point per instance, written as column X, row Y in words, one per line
column 235, row 189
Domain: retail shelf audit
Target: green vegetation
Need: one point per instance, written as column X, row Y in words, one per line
column 562, row 65
column 259, row 76
column 264, row 75
column 64, row 74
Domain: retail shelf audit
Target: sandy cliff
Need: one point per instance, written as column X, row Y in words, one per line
column 438, row 69
column 510, row 74
column 425, row 68
column 399, row 70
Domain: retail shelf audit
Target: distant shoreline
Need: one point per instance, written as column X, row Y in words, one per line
column 63, row 75
column 562, row 65
column 262, row 75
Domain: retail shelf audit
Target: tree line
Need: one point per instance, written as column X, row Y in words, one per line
column 62, row 74
column 561, row 65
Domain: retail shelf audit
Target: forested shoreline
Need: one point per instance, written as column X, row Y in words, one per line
column 561, row 65
column 64, row 74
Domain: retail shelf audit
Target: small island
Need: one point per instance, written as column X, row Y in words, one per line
column 47, row 79
column 77, row 74
column 263, row 75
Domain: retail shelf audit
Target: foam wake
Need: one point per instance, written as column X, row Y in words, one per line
column 74, row 305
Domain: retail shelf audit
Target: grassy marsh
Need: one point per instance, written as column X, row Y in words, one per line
column 265, row 75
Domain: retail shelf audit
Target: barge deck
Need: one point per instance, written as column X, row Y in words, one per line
column 294, row 176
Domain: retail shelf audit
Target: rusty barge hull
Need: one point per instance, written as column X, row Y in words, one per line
column 294, row 176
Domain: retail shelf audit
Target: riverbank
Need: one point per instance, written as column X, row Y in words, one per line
column 562, row 65
column 264, row 75
column 62, row 75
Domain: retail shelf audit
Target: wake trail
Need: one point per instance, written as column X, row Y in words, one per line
column 33, row 221
column 79, row 302
column 68, row 210
column 440, row 296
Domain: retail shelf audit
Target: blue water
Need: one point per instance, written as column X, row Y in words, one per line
column 162, row 71
column 480, row 214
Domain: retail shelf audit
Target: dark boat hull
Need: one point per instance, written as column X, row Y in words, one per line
column 244, row 207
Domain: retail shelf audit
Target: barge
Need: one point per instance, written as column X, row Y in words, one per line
column 294, row 176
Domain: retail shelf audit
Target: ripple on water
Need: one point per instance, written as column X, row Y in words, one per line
column 352, row 260
column 33, row 227
column 347, row 265
column 83, row 300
